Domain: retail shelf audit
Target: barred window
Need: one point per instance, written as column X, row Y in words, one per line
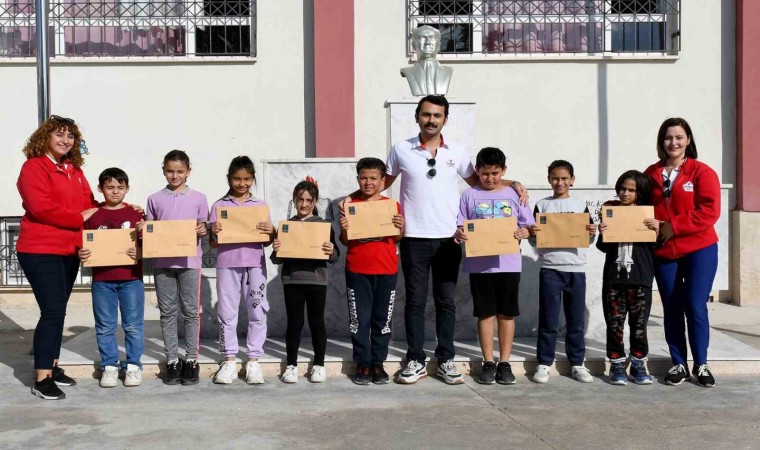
column 116, row 28
column 503, row 27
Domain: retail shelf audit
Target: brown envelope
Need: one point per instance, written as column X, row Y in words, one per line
column 303, row 239
column 562, row 230
column 239, row 224
column 488, row 237
column 109, row 247
column 168, row 238
column 371, row 219
column 626, row 224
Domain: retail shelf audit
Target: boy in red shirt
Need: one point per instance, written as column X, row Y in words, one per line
column 117, row 288
column 371, row 270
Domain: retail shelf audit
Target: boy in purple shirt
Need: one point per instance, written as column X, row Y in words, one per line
column 494, row 280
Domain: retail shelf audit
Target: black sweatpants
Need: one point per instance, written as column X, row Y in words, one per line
column 313, row 297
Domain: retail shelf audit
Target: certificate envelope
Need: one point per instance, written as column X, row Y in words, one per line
column 303, row 239
column 109, row 247
column 371, row 219
column 168, row 238
column 239, row 224
column 562, row 230
column 626, row 224
column 488, row 237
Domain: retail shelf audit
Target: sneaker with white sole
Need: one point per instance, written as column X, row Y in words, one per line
column 47, row 390
column 412, row 372
column 132, row 376
column 618, row 376
column 253, row 373
column 318, row 374
column 110, row 377
column 677, row 375
column 541, row 375
column 704, row 376
column 580, row 373
column 227, row 372
column 449, row 372
column 290, row 375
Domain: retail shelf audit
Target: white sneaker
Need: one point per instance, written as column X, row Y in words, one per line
column 318, row 374
column 227, row 372
column 413, row 372
column 133, row 376
column 541, row 375
column 253, row 373
column 110, row 377
column 448, row 371
column 582, row 374
column 290, row 375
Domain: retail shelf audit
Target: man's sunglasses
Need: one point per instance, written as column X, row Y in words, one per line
column 65, row 120
column 431, row 163
column 666, row 190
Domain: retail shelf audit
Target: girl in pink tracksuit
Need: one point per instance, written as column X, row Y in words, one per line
column 240, row 273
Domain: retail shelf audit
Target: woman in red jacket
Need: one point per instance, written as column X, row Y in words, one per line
column 686, row 197
column 57, row 200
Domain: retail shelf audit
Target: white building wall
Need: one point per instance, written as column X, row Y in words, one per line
column 132, row 112
column 577, row 109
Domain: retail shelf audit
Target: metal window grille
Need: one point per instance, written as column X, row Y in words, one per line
column 11, row 274
column 503, row 27
column 116, row 28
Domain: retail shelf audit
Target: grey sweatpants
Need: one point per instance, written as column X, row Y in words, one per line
column 179, row 286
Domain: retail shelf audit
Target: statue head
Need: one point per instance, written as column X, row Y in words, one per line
column 426, row 41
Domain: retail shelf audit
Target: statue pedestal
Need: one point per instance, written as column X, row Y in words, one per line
column 460, row 127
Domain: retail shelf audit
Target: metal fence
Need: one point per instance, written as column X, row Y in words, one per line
column 11, row 274
column 114, row 28
column 502, row 27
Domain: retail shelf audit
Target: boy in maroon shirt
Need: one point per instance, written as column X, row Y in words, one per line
column 117, row 288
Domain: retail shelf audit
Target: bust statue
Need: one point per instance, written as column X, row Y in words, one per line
column 427, row 76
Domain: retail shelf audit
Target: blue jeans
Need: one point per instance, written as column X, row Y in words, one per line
column 108, row 298
column 557, row 289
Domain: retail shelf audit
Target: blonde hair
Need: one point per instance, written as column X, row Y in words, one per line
column 37, row 145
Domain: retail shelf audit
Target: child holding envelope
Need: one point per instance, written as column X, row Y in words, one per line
column 494, row 280
column 117, row 288
column 371, row 270
column 304, row 283
column 561, row 281
column 627, row 285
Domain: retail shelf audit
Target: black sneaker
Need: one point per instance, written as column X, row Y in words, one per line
column 173, row 372
column 488, row 373
column 190, row 372
column 47, row 390
column 379, row 375
column 504, row 373
column 362, row 375
column 704, row 376
column 61, row 379
column 676, row 375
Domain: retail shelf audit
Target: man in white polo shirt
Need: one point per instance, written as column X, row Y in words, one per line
column 429, row 198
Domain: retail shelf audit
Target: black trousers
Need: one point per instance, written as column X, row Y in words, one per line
column 313, row 297
column 52, row 277
column 370, row 310
column 419, row 257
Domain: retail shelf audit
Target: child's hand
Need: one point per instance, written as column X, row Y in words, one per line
column 652, row 224
column 200, row 229
column 265, row 228
column 591, row 228
column 328, row 248
column 84, row 254
column 459, row 236
column 87, row 213
column 216, row 227
column 398, row 221
column 343, row 223
column 132, row 253
column 137, row 208
column 276, row 244
column 342, row 206
column 533, row 229
column 603, row 227
column 522, row 233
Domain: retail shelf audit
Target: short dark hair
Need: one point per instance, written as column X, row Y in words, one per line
column 491, row 156
column 643, row 186
column 177, row 155
column 691, row 149
column 561, row 163
column 113, row 173
column 439, row 100
column 371, row 164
